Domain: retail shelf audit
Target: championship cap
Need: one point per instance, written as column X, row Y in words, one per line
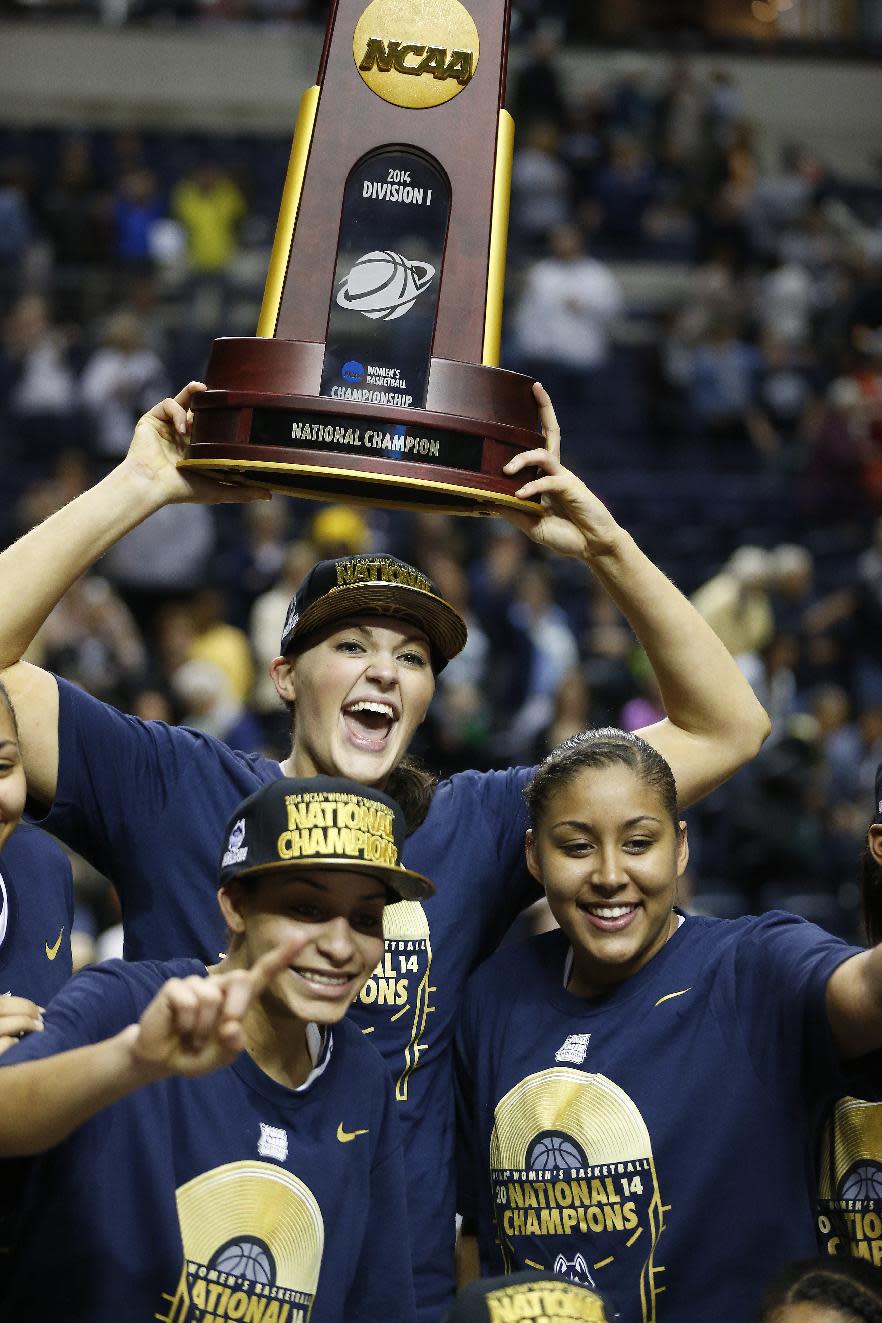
column 374, row 585
column 526, row 1296
column 320, row 822
column 877, row 808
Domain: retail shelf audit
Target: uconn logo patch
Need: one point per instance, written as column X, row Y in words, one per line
column 573, row 1049
column 273, row 1142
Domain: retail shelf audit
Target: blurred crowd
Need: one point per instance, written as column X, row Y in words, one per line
column 708, row 320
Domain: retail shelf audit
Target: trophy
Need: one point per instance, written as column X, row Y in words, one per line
column 373, row 374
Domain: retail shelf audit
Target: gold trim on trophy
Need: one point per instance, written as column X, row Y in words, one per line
column 332, row 492
column 278, row 266
column 498, row 239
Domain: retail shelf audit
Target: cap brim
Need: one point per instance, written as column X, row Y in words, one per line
column 443, row 626
column 408, row 885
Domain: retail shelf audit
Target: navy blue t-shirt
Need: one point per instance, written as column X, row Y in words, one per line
column 36, row 915
column 193, row 1198
column 147, row 804
column 655, row 1142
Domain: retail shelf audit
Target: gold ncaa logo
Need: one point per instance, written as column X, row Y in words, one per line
column 416, row 53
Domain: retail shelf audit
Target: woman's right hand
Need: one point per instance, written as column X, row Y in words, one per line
column 18, row 1017
column 158, row 445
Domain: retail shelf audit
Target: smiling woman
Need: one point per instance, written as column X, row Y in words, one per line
column 592, row 1058
column 241, row 1086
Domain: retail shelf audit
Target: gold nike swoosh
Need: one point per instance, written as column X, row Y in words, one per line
column 52, row 951
column 669, row 995
column 346, row 1136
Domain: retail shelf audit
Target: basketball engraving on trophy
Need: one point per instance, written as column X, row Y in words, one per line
column 384, row 285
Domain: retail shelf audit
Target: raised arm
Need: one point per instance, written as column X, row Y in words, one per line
column 191, row 1027
column 714, row 722
column 37, row 570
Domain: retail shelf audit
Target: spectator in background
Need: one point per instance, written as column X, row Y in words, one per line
column 39, row 399
column 207, row 703
column 263, row 634
column 221, row 644
column 339, row 530
column 138, row 205
column 91, row 637
column 723, row 376
column 785, row 408
column 16, row 224
column 119, row 380
column 562, row 330
column 551, row 652
column 211, row 208
column 165, row 558
column 623, row 193
column 735, row 602
column 538, row 86
column 540, row 188
column 77, row 215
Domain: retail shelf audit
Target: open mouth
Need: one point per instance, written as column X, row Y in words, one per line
column 324, row 982
column 369, row 722
column 609, row 918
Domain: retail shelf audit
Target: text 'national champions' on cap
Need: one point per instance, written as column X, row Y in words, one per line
column 320, row 822
column 374, row 585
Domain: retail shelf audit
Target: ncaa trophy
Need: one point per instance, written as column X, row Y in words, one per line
column 373, row 374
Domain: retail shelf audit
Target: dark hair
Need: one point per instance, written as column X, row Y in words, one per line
column 602, row 747
column 4, row 696
column 413, row 786
column 849, row 1285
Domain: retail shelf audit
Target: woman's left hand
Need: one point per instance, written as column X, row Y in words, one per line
column 18, row 1017
column 570, row 519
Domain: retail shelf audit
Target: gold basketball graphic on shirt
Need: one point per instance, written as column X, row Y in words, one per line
column 850, row 1181
column 575, row 1187
column 416, row 53
column 399, row 989
column 251, row 1232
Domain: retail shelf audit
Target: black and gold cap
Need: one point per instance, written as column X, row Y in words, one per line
column 374, row 585
column 525, row 1296
column 320, row 822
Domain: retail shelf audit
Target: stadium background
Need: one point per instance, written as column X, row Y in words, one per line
column 695, row 272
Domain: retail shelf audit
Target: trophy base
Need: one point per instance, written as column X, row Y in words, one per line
column 267, row 426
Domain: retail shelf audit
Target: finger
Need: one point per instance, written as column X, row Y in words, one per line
column 6, row 1043
column 519, row 519
column 20, row 1024
column 232, row 1036
column 176, row 410
column 181, row 1001
column 170, row 412
column 549, row 485
column 18, row 1006
column 547, row 418
column 273, row 962
column 238, row 994
column 209, row 1006
column 542, row 459
column 192, row 388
